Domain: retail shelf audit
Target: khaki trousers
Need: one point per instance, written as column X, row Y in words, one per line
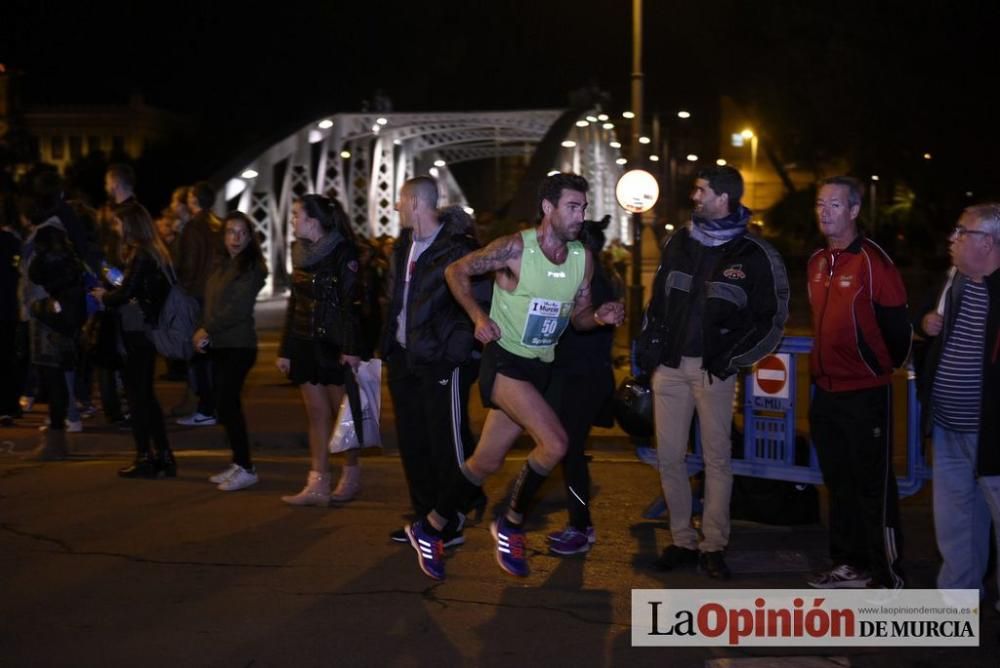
column 677, row 394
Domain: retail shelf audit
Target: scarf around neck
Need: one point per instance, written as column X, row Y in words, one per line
column 307, row 253
column 717, row 232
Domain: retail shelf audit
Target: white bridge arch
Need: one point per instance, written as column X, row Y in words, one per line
column 363, row 159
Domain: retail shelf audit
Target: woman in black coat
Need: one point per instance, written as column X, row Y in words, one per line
column 139, row 300
column 322, row 336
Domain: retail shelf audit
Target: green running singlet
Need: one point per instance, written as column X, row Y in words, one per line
column 536, row 313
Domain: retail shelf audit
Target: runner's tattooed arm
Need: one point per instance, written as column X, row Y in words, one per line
column 586, row 315
column 502, row 256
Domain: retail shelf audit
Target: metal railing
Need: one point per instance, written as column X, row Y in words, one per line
column 772, row 447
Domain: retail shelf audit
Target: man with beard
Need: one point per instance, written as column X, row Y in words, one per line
column 541, row 285
column 719, row 304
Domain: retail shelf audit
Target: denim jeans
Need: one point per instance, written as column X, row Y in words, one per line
column 963, row 507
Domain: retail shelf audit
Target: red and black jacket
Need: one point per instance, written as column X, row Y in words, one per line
column 859, row 317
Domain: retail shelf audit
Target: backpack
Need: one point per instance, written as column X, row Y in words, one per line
column 176, row 324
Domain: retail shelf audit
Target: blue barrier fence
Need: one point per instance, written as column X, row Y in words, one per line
column 769, row 433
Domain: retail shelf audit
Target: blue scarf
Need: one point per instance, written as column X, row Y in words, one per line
column 717, row 232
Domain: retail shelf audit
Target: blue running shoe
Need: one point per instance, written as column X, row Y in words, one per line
column 430, row 550
column 510, row 547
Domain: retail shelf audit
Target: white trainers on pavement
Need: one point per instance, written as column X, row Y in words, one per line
column 225, row 475
column 841, row 577
column 240, row 479
column 197, row 420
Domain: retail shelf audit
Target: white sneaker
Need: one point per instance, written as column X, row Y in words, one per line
column 197, row 420
column 70, row 426
column 841, row 577
column 239, row 479
column 225, row 475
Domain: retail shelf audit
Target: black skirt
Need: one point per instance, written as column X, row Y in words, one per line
column 314, row 362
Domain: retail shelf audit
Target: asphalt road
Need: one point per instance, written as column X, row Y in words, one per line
column 99, row 571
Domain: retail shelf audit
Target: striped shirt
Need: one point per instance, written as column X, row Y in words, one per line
column 959, row 378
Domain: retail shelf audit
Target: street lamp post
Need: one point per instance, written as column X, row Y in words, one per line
column 635, row 289
column 752, row 136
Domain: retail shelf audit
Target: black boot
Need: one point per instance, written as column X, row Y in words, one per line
column 165, row 464
column 142, row 467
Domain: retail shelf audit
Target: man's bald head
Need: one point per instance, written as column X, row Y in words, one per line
column 425, row 189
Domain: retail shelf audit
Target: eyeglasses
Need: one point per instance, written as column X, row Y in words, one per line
column 960, row 231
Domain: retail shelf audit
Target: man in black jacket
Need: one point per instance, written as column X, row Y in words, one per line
column 960, row 401
column 428, row 346
column 720, row 301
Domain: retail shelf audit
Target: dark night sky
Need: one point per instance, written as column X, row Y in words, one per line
column 880, row 82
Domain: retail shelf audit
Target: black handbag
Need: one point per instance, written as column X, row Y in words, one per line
column 633, row 407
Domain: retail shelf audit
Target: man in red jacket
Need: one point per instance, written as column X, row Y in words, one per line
column 862, row 332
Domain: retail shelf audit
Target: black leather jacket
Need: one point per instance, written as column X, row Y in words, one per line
column 439, row 334
column 746, row 305
column 325, row 302
column 144, row 282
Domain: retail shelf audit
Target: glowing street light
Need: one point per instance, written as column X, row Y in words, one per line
column 582, row 123
column 249, row 174
column 692, row 157
column 637, row 191
column 628, row 114
column 325, row 124
column 345, row 154
column 721, row 162
column 644, row 140
column 569, row 143
column 683, row 114
column 439, row 163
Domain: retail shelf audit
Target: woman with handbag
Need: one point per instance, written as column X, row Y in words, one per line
column 322, row 334
column 229, row 337
column 139, row 300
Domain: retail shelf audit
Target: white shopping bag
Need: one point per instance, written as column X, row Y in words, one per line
column 345, row 436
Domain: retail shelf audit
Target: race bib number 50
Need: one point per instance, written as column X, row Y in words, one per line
column 545, row 322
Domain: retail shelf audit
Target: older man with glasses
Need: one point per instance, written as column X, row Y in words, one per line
column 961, row 398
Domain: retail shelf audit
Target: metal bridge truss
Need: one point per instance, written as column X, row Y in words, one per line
column 363, row 159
